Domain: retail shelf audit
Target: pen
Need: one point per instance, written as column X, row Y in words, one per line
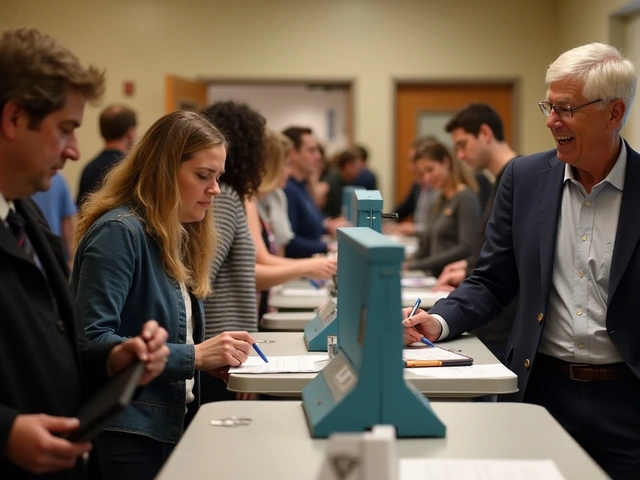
column 413, row 312
column 438, row 363
column 259, row 352
column 415, row 307
column 422, row 363
column 315, row 284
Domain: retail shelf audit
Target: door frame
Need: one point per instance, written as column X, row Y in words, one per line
column 348, row 83
column 400, row 157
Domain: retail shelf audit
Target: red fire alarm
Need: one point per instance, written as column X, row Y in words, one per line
column 128, row 88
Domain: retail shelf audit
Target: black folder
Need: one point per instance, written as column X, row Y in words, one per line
column 107, row 404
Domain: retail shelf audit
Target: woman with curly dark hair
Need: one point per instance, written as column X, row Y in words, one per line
column 233, row 304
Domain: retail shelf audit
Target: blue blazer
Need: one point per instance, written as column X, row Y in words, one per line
column 518, row 255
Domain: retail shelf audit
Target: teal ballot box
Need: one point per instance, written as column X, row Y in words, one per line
column 367, row 212
column 363, row 385
column 325, row 323
column 347, row 192
column 366, row 209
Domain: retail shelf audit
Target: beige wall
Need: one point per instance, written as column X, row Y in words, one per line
column 592, row 21
column 373, row 42
column 585, row 21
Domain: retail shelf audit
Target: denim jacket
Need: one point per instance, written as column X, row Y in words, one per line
column 119, row 283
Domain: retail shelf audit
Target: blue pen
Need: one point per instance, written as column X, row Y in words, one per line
column 262, row 355
column 316, row 285
column 413, row 311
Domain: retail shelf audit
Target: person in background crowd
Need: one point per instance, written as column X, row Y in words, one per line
column 118, row 129
column 60, row 211
column 478, row 136
column 455, row 215
column 305, row 216
column 366, row 178
column 232, row 303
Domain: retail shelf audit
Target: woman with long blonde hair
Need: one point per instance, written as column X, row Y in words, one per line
column 272, row 269
column 146, row 243
column 454, row 219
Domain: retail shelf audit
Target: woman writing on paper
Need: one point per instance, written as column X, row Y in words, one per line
column 146, row 243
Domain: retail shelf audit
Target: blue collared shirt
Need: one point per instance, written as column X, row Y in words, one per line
column 576, row 328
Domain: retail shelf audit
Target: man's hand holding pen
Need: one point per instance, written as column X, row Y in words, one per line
column 419, row 325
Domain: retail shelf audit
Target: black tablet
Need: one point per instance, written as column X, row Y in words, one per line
column 107, row 403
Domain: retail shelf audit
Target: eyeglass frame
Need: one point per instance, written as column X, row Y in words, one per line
column 564, row 108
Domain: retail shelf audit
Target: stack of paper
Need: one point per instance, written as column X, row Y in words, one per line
column 423, row 352
column 283, row 364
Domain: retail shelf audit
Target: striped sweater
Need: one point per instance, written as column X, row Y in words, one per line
column 232, row 305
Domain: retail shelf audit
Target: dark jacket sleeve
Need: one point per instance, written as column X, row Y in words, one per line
column 407, row 207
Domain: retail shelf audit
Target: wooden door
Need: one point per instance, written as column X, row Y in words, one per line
column 424, row 109
column 184, row 94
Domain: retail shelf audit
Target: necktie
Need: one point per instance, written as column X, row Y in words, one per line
column 17, row 226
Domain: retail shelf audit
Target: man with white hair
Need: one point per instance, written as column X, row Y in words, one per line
column 564, row 232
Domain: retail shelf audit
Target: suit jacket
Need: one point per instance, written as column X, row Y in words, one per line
column 46, row 364
column 519, row 253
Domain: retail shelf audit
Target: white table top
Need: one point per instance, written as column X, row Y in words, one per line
column 410, row 243
column 296, row 299
column 276, row 445
column 291, row 384
column 287, row 321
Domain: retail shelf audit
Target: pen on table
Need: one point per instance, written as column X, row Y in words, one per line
column 438, row 363
column 413, row 312
column 316, row 285
column 259, row 352
column 422, row 363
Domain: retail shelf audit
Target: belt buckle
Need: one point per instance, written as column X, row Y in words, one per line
column 571, row 371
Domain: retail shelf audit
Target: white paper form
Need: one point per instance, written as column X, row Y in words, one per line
column 493, row 370
column 463, row 469
column 430, row 353
column 283, row 364
column 304, row 292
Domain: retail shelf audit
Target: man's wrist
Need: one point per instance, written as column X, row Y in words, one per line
column 445, row 327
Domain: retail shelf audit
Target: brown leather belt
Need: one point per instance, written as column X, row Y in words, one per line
column 584, row 372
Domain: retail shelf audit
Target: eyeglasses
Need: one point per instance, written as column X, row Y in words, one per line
column 563, row 111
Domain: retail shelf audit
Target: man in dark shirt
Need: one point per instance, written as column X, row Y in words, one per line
column 348, row 167
column 478, row 138
column 47, row 366
column 118, row 128
column 366, row 178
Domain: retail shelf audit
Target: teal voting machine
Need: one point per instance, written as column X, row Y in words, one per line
column 363, row 385
column 366, row 211
column 347, row 193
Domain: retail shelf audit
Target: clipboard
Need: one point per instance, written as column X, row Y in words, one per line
column 434, row 357
column 107, row 403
